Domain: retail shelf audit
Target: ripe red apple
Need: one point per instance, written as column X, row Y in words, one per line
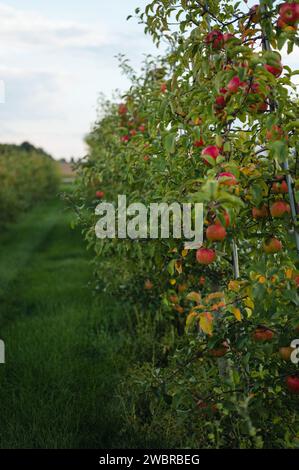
column 260, row 213
column 292, row 382
column 141, row 128
column 198, row 143
column 215, row 39
column 262, row 334
column 212, row 151
column 216, row 233
column 289, row 13
column 259, row 107
column 227, row 178
column 275, row 133
column 205, row 256
column 220, row 102
column 125, row 138
column 163, row 87
column 146, row 158
column 148, row 285
column 275, row 70
column 226, row 220
column 235, row 84
column 279, row 209
column 280, row 188
column 100, row 194
column 202, row 281
column 220, row 351
column 286, row 352
column 296, row 279
column 133, row 132
column 272, row 246
column 285, row 27
column 207, row 408
column 122, row 109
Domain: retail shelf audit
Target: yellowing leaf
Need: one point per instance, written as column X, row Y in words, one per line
column 289, row 273
column 191, row 318
column 215, row 295
column 237, row 313
column 185, row 253
column 234, row 286
column 249, row 303
column 206, row 323
column 172, row 282
column 249, row 312
column 194, row 297
column 179, row 267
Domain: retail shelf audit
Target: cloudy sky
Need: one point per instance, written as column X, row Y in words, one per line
column 56, row 56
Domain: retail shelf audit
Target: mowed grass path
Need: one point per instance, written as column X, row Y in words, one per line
column 58, row 388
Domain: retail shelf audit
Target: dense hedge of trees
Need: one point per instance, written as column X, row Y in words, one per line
column 27, row 176
column 215, row 121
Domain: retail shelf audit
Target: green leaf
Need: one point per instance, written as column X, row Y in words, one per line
column 170, row 143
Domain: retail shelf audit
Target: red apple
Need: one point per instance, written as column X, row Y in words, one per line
column 226, row 220
column 227, row 178
column 285, row 27
column 122, row 109
column 280, row 188
column 163, row 88
column 198, row 143
column 235, row 84
column 220, row 102
column 279, row 209
column 133, row 132
column 141, row 128
column 100, row 194
column 220, row 351
column 272, row 246
column 262, row 334
column 260, row 213
column 296, row 279
column 125, row 138
column 216, row 233
column 205, row 256
column 215, row 39
column 289, row 13
column 275, row 133
column 286, row 352
column 211, row 151
column 148, row 285
column 276, row 70
column 292, row 382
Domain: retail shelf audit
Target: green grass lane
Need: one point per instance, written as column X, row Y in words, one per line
column 63, row 364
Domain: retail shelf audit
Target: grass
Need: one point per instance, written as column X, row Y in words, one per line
column 64, row 361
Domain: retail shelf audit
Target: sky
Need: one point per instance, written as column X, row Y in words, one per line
column 56, row 57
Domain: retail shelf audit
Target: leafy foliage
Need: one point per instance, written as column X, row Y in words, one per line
column 217, row 87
